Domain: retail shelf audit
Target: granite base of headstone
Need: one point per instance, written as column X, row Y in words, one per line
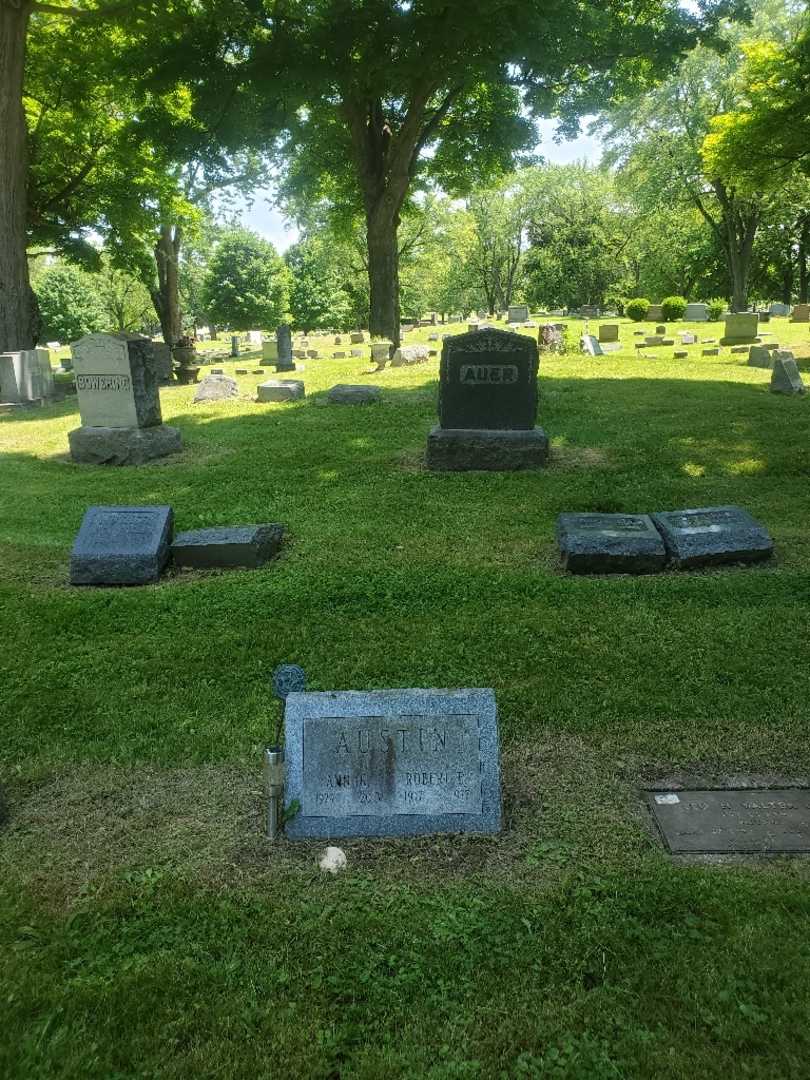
column 391, row 763
column 123, row 446
column 594, row 543
column 713, row 534
column 121, row 545
column 248, row 546
column 785, row 376
column 487, row 405
column 216, row 388
column 347, row 394
column 280, row 390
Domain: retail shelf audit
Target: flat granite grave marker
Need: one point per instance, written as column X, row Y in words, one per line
column 392, row 763
column 713, row 534
column 121, row 545
column 488, row 404
column 248, row 546
column 741, row 821
column 592, row 543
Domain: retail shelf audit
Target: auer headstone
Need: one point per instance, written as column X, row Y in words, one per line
column 751, row 820
column 711, row 535
column 592, row 543
column 117, row 387
column 488, row 404
column 392, row 763
column 228, row 546
column 121, row 545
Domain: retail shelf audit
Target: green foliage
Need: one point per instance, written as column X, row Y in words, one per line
column 673, row 307
column 69, row 303
column 246, row 285
column 328, row 289
column 716, row 308
column 637, row 308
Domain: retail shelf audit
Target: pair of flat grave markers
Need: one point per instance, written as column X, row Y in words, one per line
column 645, row 543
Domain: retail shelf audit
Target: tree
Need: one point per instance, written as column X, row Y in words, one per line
column 124, row 298
column 377, row 98
column 69, row 303
column 500, row 215
column 247, row 284
column 326, row 282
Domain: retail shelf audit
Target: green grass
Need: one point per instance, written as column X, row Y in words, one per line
column 147, row 929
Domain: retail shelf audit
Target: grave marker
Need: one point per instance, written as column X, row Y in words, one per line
column 392, row 763
column 696, row 313
column 121, row 545
column 741, row 821
column 517, row 313
column 713, row 534
column 740, row 329
column 593, row 543
column 785, row 378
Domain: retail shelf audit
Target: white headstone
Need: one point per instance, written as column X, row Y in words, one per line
column 25, row 376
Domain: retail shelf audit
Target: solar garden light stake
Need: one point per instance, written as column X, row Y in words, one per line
column 287, row 679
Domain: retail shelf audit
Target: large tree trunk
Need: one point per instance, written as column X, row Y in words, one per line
column 166, row 298
column 383, row 273
column 19, row 318
column 804, row 254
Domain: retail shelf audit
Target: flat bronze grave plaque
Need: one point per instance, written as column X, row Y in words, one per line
column 747, row 821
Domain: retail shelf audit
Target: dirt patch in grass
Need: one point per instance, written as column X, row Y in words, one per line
column 567, row 806
column 578, row 458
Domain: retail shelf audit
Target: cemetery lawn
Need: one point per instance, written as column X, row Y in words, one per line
column 146, row 927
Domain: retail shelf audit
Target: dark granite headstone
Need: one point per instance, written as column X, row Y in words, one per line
column 227, row 545
column 610, row 544
column 392, row 763
column 121, row 545
column 713, row 534
column 752, row 820
column 284, row 360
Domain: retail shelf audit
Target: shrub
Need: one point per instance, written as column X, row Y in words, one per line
column 637, row 309
column 674, row 308
column 716, row 309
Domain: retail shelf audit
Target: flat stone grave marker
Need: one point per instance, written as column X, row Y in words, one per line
column 392, row 763
column 687, row 338
column 121, row 545
column 593, row 543
column 488, row 404
column 248, row 546
column 711, row 535
column 280, row 390
column 216, row 388
column 747, row 821
column 350, row 394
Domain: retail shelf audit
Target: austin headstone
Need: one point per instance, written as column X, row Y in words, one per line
column 121, row 545
column 391, row 763
column 594, row 543
column 488, row 404
column 119, row 404
column 713, row 534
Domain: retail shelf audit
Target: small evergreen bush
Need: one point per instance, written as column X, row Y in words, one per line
column 637, row 309
column 674, row 308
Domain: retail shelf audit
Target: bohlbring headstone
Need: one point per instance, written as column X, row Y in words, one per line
column 593, row 543
column 488, row 404
column 121, row 545
column 391, row 763
column 117, row 388
column 713, row 534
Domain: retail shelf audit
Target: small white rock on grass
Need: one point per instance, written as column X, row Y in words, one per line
column 333, row 860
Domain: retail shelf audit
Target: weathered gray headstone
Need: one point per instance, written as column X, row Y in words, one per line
column 740, row 329
column 517, row 313
column 608, row 332
column 710, row 352
column 249, row 546
column 801, row 313
column 591, row 346
column 121, row 545
column 357, row 337
column 654, row 339
column 234, row 345
column 785, row 377
column 594, row 543
column 164, row 361
column 284, row 356
column 347, row 394
column 280, row 390
column 391, row 763
column 655, row 313
column 759, row 356
column 380, row 352
column 409, row 354
column 751, row 820
column 216, row 388
column 696, row 313
column 488, row 404
column 117, row 388
column 780, row 309
column 26, row 376
column 269, row 351
column 712, row 534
